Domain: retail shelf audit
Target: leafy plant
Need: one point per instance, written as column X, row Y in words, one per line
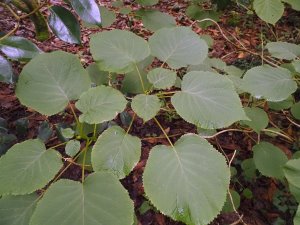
column 188, row 180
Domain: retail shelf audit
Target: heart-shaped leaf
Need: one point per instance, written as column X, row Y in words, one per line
column 118, row 50
column 179, row 47
column 262, row 153
column 273, row 84
column 64, row 24
column 100, row 104
column 283, row 50
column 269, row 11
column 50, row 81
column 258, row 118
column 101, row 199
column 162, row 78
column 19, row 48
column 208, row 100
column 27, row 166
column 146, row 106
column 155, row 20
column 193, row 180
column 116, row 151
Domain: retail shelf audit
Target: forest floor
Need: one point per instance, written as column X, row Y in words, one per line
column 242, row 29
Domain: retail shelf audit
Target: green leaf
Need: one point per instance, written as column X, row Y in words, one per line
column 44, row 131
column 269, row 11
column 72, row 147
column 118, row 50
column 116, row 151
column 97, row 76
column 17, row 210
column 179, row 47
column 147, row 2
column 108, row 17
column 155, row 20
column 295, row 192
column 273, row 84
column 162, row 78
column 101, row 199
column 132, row 81
column 88, row 11
column 208, row 100
column 262, row 153
column 50, row 81
column 296, row 6
column 283, row 50
column 258, row 118
column 193, row 180
column 295, row 110
column 228, row 204
column 64, row 24
column 285, row 104
column 248, row 168
column 146, row 106
column 198, row 13
column 27, row 166
column 67, row 132
column 100, row 104
column 297, row 216
column 19, row 48
column 296, row 65
column 6, row 72
column 292, row 171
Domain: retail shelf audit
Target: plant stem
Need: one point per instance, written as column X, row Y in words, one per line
column 84, row 158
column 140, row 76
column 164, row 132
column 74, row 114
column 55, row 146
column 130, row 125
column 279, row 134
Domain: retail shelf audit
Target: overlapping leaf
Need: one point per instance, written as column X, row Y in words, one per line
column 273, row 84
column 64, row 24
column 208, row 100
column 100, row 104
column 283, row 50
column 193, row 180
column 27, row 166
column 155, row 20
column 101, row 199
column 17, row 210
column 258, row 118
column 19, row 48
column 118, row 50
column 50, row 81
column 179, row 47
column 88, row 11
column 116, row 151
column 292, row 171
column 6, row 73
column 162, row 78
column 269, row 11
column 262, row 153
